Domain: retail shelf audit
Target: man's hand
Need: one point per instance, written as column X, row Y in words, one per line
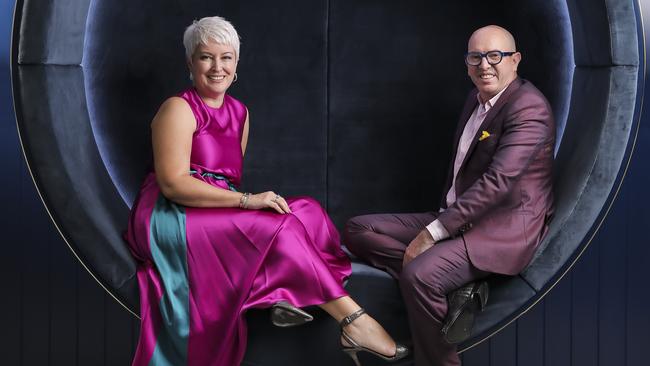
column 417, row 246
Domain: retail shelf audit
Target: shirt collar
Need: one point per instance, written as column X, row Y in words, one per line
column 492, row 101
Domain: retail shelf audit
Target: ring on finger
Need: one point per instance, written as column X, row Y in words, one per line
column 276, row 198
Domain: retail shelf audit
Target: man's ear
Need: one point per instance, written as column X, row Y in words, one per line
column 516, row 58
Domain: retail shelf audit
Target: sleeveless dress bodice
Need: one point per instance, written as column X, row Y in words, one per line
column 216, row 143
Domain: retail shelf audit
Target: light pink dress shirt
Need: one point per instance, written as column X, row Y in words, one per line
column 436, row 229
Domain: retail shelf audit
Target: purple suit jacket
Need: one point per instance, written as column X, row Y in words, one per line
column 504, row 185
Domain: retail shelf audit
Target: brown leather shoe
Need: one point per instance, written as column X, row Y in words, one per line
column 464, row 303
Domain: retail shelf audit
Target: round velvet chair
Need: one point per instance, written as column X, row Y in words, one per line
column 352, row 102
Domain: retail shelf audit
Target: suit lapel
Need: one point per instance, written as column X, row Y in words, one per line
column 489, row 118
column 470, row 105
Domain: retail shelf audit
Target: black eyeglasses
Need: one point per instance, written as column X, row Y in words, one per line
column 492, row 57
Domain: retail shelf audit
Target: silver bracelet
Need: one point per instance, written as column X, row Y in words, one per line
column 243, row 200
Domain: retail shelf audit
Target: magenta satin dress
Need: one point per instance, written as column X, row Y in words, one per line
column 200, row 269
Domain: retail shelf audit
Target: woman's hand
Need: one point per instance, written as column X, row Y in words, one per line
column 268, row 200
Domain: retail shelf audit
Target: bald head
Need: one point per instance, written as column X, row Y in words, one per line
column 495, row 33
column 492, row 75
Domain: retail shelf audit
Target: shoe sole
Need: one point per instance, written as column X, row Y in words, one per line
column 285, row 317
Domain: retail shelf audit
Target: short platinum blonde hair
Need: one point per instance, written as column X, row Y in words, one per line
column 207, row 29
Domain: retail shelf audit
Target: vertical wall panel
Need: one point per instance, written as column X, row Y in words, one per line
column 612, row 292
column 63, row 308
column 34, row 229
column 636, row 198
column 530, row 337
column 283, row 82
column 11, row 168
column 557, row 325
column 12, row 267
column 637, row 295
column 477, row 356
column 503, row 347
column 118, row 342
column 91, row 321
column 584, row 310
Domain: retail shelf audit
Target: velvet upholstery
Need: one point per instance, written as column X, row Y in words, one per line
column 51, row 32
column 587, row 168
column 62, row 152
column 353, row 103
column 605, row 33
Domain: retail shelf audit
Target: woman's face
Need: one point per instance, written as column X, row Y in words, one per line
column 213, row 68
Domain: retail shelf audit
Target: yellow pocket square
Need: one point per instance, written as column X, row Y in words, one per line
column 484, row 135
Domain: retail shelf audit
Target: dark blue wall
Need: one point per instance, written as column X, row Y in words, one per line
column 53, row 313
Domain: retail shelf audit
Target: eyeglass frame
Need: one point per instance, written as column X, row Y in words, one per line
column 484, row 56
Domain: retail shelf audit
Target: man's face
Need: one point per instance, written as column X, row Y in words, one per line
column 491, row 79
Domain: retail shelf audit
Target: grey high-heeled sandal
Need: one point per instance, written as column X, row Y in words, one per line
column 285, row 315
column 400, row 350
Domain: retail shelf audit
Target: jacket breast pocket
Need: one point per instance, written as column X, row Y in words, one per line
column 488, row 143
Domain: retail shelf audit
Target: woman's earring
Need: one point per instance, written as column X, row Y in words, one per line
column 191, row 77
column 235, row 78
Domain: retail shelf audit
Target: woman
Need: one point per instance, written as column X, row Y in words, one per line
column 207, row 253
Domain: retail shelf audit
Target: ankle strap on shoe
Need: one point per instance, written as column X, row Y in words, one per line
column 352, row 317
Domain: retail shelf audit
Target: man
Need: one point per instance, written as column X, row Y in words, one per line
column 495, row 210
